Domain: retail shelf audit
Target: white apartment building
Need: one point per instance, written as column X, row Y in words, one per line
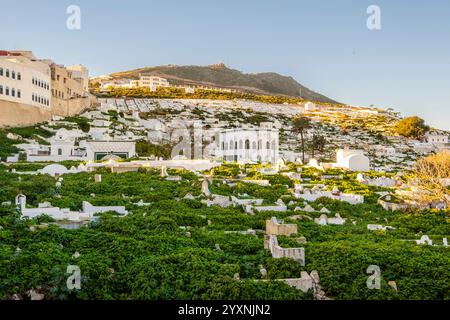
column 152, row 82
column 248, row 145
column 24, row 79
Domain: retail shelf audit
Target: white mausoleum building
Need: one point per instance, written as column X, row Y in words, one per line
column 97, row 150
column 248, row 145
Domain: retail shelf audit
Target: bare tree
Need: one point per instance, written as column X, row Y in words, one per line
column 431, row 176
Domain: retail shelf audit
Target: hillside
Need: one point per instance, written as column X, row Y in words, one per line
column 219, row 75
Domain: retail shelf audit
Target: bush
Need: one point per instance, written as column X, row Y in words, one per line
column 411, row 127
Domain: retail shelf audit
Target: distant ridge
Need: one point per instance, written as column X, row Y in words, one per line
column 219, row 75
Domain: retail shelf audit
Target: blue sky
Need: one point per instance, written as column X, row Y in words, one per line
column 323, row 44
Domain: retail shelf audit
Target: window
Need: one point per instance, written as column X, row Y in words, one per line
column 7, row 73
column 1, row 71
column 57, row 77
column 268, row 145
column 7, row 91
column 247, row 144
column 1, row 89
column 13, row 92
column 59, row 152
column 32, row 97
column 19, row 76
column 19, row 95
column 13, row 74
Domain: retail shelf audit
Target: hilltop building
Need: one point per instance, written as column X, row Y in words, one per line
column 152, row 82
column 145, row 81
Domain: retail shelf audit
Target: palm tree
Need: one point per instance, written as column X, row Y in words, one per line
column 300, row 125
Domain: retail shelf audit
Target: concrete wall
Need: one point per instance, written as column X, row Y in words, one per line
column 15, row 114
column 275, row 228
column 271, row 243
column 70, row 107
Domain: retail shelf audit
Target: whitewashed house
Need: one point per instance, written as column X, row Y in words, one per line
column 436, row 138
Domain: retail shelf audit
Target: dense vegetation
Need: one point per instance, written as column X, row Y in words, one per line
column 175, row 93
column 167, row 250
column 7, row 146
